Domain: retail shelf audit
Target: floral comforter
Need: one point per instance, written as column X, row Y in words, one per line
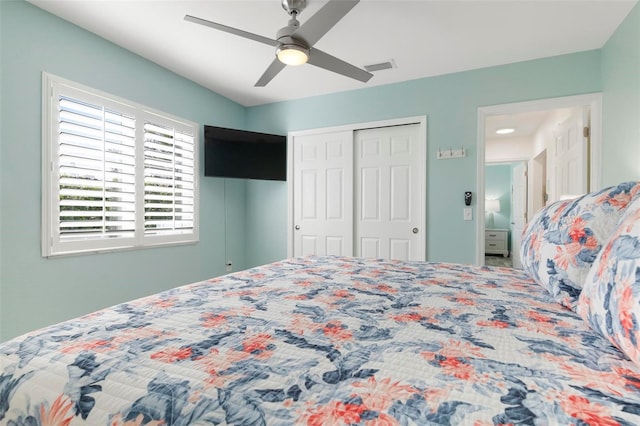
column 323, row 341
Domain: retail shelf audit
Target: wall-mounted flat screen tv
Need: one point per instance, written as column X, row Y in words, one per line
column 241, row 154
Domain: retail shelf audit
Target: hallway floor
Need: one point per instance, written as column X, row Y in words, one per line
column 498, row 260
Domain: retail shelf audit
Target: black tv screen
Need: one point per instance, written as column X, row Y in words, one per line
column 241, row 154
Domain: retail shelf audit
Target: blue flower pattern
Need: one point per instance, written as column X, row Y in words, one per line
column 325, row 340
column 562, row 240
column 610, row 302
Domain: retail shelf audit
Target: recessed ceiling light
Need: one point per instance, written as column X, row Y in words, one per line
column 505, row 131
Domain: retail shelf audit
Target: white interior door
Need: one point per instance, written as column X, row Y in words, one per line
column 389, row 193
column 570, row 157
column 518, row 210
column 537, row 183
column 323, row 194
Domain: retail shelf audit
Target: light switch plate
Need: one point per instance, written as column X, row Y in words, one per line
column 468, row 215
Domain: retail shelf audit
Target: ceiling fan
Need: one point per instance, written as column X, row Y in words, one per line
column 294, row 43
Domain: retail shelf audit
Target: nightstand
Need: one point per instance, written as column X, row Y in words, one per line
column 496, row 241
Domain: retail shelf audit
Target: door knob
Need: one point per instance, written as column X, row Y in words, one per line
column 297, row 227
column 414, row 230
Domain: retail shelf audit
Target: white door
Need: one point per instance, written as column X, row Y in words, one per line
column 518, row 210
column 390, row 193
column 537, row 183
column 571, row 148
column 323, row 194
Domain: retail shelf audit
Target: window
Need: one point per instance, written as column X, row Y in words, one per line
column 116, row 175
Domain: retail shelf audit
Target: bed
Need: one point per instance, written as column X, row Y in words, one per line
column 338, row 340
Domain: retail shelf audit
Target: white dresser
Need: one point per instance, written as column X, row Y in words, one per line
column 496, row 241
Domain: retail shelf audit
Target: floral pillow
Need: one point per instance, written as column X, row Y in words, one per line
column 561, row 242
column 610, row 300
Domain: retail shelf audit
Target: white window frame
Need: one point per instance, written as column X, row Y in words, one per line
column 52, row 245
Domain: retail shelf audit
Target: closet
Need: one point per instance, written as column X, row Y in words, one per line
column 359, row 190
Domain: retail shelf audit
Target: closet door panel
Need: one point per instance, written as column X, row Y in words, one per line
column 309, row 245
column 323, row 194
column 335, row 196
column 400, row 194
column 335, row 245
column 309, row 194
column 390, row 193
column 369, row 190
column 359, row 192
column 399, row 249
column 369, row 247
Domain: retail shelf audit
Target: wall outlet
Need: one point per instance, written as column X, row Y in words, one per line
column 229, row 265
column 468, row 213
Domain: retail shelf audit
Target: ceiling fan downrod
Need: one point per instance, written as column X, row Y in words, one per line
column 294, row 7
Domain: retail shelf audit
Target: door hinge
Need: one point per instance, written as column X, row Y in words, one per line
column 586, row 132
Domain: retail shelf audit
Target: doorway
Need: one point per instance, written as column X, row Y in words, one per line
column 541, row 169
column 499, row 211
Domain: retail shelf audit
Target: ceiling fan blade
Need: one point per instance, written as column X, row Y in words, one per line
column 273, row 70
column 324, row 19
column 331, row 63
column 231, row 30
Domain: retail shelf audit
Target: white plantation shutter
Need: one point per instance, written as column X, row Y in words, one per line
column 168, row 180
column 96, row 161
column 116, row 175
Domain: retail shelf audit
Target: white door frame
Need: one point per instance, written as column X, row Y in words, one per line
column 594, row 100
column 518, row 223
column 420, row 120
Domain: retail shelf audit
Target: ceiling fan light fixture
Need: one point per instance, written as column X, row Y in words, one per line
column 292, row 54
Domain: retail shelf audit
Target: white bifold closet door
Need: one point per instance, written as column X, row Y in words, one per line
column 360, row 193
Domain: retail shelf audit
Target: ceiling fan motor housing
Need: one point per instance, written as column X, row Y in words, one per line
column 292, row 46
column 286, row 39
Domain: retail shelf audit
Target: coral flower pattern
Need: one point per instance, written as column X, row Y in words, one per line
column 326, row 341
column 611, row 300
column 562, row 240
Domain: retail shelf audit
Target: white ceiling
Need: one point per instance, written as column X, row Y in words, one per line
column 424, row 38
column 525, row 125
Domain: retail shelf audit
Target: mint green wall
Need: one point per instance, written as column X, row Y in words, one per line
column 450, row 103
column 497, row 185
column 234, row 201
column 35, row 291
column 621, row 102
column 266, row 225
